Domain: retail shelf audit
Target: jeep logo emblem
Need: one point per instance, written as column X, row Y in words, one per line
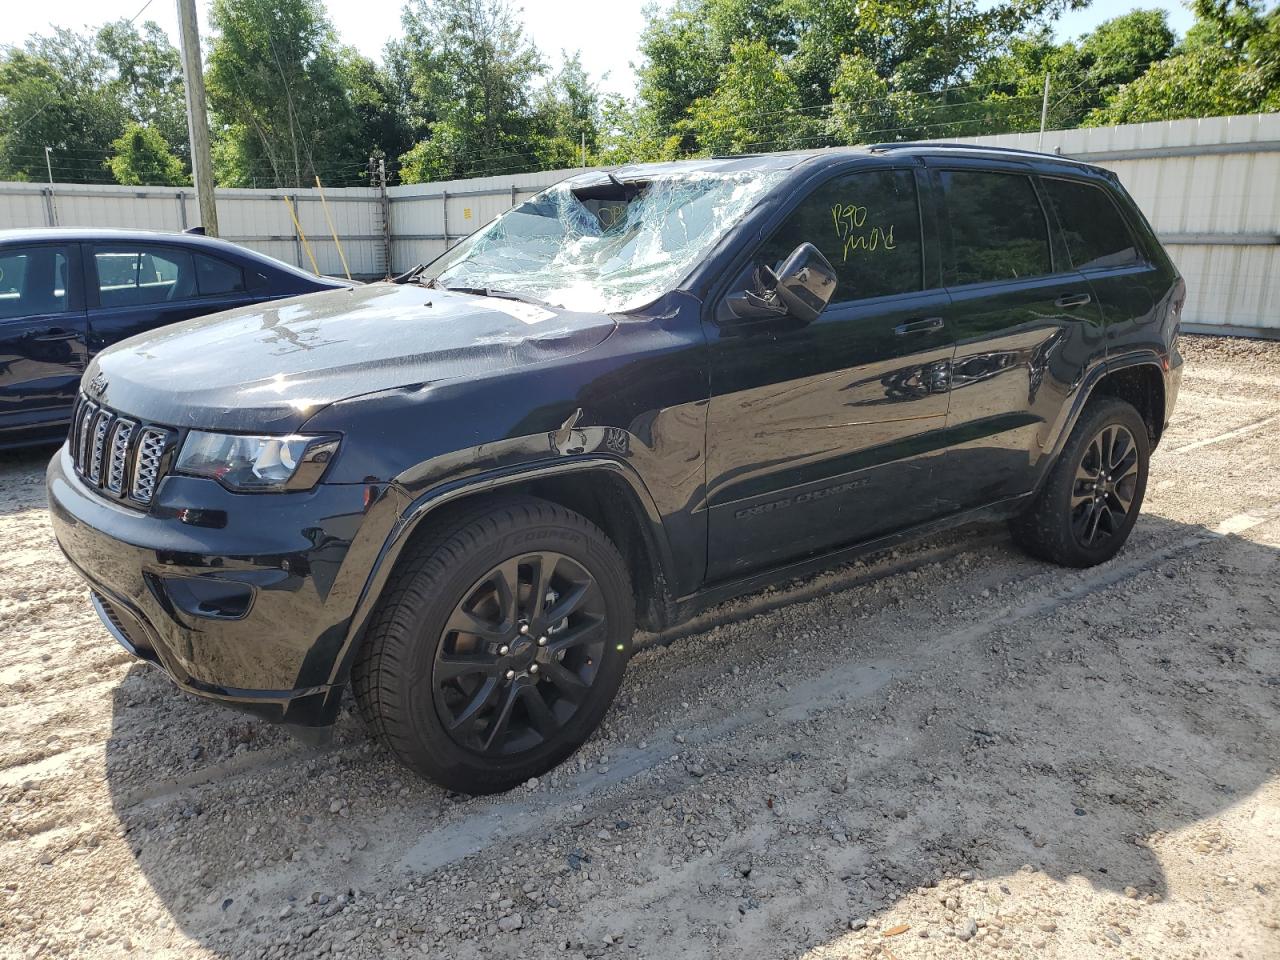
column 98, row 385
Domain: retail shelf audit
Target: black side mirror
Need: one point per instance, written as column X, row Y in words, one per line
column 801, row 288
column 806, row 282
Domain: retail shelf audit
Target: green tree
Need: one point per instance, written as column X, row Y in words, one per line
column 629, row 134
column 142, row 156
column 53, row 92
column 383, row 125
column 1084, row 74
column 567, row 112
column 470, row 61
column 277, row 88
column 1253, row 32
column 753, row 107
column 146, row 75
column 1229, row 63
column 865, row 109
column 77, row 94
column 849, row 69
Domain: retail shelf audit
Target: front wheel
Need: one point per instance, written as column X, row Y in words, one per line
column 1091, row 499
column 498, row 646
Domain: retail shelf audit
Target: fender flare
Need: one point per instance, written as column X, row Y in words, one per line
column 477, row 485
column 1089, row 382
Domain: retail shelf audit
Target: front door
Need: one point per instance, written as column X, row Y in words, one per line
column 42, row 337
column 823, row 434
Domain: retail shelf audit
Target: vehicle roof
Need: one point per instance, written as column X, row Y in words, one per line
column 106, row 234
column 988, row 151
column 822, row 156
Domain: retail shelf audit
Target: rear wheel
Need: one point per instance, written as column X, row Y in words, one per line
column 1091, row 499
column 498, row 645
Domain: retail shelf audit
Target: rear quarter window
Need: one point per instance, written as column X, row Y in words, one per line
column 214, row 276
column 1095, row 231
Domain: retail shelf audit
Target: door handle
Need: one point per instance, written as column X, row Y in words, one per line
column 927, row 325
column 1074, row 300
column 54, row 335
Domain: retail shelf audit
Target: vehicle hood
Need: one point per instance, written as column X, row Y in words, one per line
column 271, row 366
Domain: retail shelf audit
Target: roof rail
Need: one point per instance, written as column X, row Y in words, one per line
column 931, row 145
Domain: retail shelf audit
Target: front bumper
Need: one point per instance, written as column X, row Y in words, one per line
column 243, row 598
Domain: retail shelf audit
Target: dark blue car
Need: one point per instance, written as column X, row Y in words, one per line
column 67, row 294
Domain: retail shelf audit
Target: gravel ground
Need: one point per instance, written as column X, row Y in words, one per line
column 949, row 751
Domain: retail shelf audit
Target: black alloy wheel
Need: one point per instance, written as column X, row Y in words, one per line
column 498, row 643
column 1090, row 500
column 519, row 654
column 1105, row 485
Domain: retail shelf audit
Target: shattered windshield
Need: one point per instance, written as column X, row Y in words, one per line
column 598, row 243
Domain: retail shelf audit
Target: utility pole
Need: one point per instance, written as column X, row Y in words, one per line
column 1044, row 113
column 584, row 149
column 378, row 173
column 197, row 115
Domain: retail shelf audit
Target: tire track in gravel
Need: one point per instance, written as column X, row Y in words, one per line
column 492, row 823
column 503, row 824
column 821, row 692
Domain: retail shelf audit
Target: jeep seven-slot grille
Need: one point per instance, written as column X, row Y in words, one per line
column 117, row 455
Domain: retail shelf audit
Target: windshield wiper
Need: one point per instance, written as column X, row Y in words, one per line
column 500, row 294
column 415, row 276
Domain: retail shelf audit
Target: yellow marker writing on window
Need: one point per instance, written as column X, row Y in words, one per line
column 855, row 235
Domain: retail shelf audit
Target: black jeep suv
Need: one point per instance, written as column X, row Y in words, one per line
column 636, row 394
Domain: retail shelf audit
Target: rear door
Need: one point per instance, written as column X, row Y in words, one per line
column 136, row 287
column 1026, row 324
column 42, row 335
column 1103, row 245
column 824, row 434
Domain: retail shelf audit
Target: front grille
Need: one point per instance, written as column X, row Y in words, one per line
column 101, row 424
column 117, row 455
column 146, row 473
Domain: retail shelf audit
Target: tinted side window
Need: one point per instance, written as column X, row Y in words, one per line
column 133, row 276
column 867, row 225
column 998, row 228
column 1096, row 233
column 33, row 280
column 214, row 276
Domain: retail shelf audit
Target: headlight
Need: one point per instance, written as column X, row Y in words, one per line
column 255, row 464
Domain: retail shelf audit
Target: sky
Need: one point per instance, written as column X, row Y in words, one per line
column 606, row 38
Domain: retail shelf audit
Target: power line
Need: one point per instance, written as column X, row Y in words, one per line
column 134, row 18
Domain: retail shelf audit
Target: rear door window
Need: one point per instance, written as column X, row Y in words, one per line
column 33, row 281
column 868, row 225
column 1096, row 234
column 140, row 275
column 216, row 277
column 998, row 227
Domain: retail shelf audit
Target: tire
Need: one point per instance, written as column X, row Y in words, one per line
column 447, row 679
column 1057, row 527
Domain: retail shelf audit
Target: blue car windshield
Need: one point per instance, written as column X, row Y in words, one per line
column 595, row 243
